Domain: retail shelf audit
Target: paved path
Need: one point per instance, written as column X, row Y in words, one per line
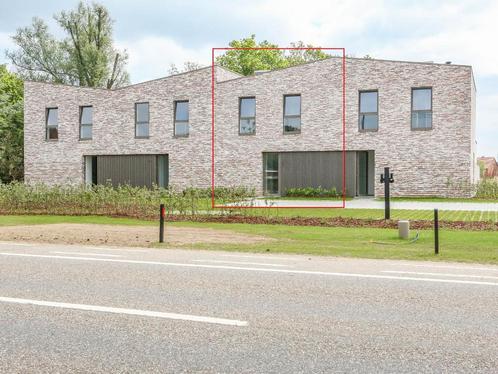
column 364, row 203
column 98, row 309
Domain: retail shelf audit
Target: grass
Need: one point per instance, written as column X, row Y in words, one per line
column 43, row 219
column 396, row 214
column 462, row 246
column 443, row 199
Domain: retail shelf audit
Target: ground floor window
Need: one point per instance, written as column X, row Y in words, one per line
column 270, row 171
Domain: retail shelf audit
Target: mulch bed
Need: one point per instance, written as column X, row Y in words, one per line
column 335, row 222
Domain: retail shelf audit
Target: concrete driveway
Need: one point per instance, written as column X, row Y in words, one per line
column 370, row 203
column 102, row 309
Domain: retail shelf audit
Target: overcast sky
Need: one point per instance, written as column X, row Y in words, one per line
column 158, row 33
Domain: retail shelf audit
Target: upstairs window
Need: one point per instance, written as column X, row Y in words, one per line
column 369, row 108
column 181, row 118
column 86, row 122
column 292, row 114
column 247, row 115
column 141, row 120
column 52, row 124
column 421, row 108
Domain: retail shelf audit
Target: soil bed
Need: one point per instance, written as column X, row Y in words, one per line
column 68, row 233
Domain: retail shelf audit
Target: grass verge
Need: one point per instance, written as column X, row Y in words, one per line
column 377, row 243
column 461, row 246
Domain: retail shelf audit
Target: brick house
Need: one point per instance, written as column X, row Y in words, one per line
column 490, row 167
column 273, row 130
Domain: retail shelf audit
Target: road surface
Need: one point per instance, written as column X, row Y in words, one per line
column 98, row 309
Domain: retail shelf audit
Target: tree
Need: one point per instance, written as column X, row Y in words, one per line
column 187, row 66
column 85, row 57
column 247, row 61
column 11, row 126
column 302, row 56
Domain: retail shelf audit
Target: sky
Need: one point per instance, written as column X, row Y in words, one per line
column 159, row 33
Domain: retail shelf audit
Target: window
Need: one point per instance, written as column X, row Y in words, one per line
column 86, row 122
column 292, row 113
column 52, row 124
column 369, row 108
column 181, row 118
column 270, row 172
column 141, row 120
column 247, row 115
column 421, row 108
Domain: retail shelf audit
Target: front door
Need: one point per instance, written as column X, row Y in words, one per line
column 362, row 174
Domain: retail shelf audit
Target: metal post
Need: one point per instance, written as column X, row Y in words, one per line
column 161, row 223
column 387, row 181
column 436, row 232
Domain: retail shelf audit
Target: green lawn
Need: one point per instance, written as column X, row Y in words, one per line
column 443, row 199
column 41, row 219
column 377, row 214
column 464, row 246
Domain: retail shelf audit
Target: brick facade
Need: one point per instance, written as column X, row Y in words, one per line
column 423, row 161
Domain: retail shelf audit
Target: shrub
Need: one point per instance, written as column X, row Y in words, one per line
column 487, row 188
column 18, row 198
column 312, row 192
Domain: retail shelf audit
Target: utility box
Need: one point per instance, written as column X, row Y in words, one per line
column 404, row 229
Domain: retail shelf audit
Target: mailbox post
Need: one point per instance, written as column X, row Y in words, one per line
column 387, row 179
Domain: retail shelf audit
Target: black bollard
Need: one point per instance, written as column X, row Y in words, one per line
column 436, row 232
column 161, row 223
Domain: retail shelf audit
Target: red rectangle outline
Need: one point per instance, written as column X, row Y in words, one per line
column 213, row 205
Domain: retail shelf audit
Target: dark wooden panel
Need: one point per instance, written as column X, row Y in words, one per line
column 134, row 170
column 314, row 169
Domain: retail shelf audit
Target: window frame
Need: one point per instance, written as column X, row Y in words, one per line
column 175, row 135
column 360, row 112
column 47, row 126
column 292, row 116
column 86, row 124
column 241, row 118
column 412, row 110
column 148, row 120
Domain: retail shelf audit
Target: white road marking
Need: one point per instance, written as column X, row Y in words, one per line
column 135, row 312
column 77, row 246
column 440, row 274
column 262, row 255
column 84, row 254
column 451, row 267
column 242, row 263
column 117, row 249
column 19, row 244
column 282, row 271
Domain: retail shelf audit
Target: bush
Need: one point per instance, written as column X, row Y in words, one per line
column 18, row 198
column 487, row 188
column 312, row 192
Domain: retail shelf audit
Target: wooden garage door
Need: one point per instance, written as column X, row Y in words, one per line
column 314, row 169
column 134, row 170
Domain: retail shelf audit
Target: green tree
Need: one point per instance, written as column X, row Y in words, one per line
column 85, row 57
column 11, row 126
column 246, row 61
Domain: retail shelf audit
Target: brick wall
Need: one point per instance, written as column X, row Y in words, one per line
column 421, row 160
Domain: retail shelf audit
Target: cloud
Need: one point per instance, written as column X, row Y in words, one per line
column 151, row 56
column 5, row 43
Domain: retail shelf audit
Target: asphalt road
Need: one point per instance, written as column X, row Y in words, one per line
column 88, row 309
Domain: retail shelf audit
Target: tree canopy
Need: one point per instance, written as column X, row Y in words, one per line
column 11, row 126
column 86, row 55
column 246, row 61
